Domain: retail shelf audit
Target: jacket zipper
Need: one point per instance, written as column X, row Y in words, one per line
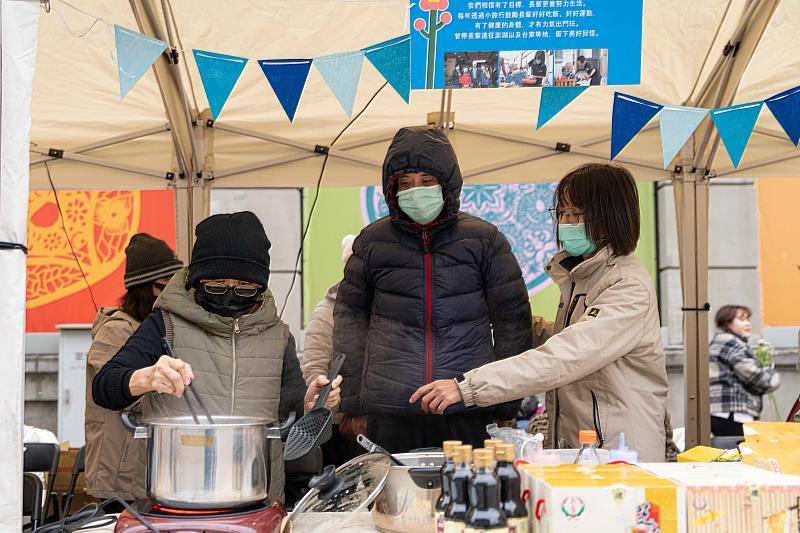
column 554, row 439
column 428, row 309
column 233, row 374
column 571, row 308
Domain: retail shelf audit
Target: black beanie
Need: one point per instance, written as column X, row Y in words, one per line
column 148, row 259
column 233, row 246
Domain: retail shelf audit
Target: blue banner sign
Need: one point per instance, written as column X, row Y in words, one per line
column 525, row 43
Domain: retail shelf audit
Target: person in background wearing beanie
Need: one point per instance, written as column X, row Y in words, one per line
column 111, row 451
column 429, row 293
column 220, row 317
column 317, row 357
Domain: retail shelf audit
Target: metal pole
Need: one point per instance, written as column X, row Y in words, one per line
column 106, row 142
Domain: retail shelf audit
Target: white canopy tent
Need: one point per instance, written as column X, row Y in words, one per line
column 161, row 136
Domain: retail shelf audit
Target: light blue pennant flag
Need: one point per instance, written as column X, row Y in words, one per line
column 287, row 77
column 342, row 73
column 219, row 74
column 629, row 116
column 136, row 52
column 392, row 58
column 677, row 125
column 735, row 125
column 554, row 99
column 785, row 108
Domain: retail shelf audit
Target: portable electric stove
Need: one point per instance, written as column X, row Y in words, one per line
column 260, row 518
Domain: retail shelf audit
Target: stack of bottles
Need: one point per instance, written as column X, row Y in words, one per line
column 481, row 490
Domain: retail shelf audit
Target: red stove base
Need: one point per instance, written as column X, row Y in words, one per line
column 261, row 520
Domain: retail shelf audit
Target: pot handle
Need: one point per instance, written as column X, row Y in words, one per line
column 132, row 424
column 287, row 424
column 426, row 477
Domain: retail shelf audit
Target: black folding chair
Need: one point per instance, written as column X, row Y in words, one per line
column 32, row 500
column 43, row 457
column 80, row 466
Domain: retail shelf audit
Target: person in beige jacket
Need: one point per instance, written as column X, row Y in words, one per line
column 601, row 362
column 318, row 344
column 317, row 356
column 111, row 451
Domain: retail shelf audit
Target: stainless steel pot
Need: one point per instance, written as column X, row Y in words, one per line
column 406, row 503
column 208, row 466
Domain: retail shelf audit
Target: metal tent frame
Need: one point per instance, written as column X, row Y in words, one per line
column 193, row 135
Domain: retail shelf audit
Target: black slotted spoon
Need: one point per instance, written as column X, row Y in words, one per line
column 315, row 427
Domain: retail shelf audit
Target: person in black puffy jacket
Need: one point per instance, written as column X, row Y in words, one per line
column 429, row 293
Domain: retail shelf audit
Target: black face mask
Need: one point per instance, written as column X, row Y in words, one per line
column 229, row 304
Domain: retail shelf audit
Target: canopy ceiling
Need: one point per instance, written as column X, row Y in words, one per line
column 76, row 98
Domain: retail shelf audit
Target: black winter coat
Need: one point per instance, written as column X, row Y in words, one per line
column 421, row 303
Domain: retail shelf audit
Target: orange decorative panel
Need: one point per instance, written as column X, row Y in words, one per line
column 99, row 225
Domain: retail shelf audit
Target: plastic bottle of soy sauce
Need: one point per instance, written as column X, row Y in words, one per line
column 511, row 490
column 446, row 473
column 457, row 509
column 484, row 514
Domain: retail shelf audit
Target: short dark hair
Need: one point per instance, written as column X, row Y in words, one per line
column 581, row 58
column 138, row 301
column 609, row 200
column 727, row 313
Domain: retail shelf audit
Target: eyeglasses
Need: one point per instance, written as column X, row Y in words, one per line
column 245, row 291
column 559, row 215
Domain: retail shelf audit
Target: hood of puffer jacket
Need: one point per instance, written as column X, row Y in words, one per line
column 179, row 300
column 423, row 149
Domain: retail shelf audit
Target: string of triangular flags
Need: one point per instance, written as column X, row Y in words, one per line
column 630, row 115
column 219, row 73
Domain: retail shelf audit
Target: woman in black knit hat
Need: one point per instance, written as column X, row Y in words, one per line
column 149, row 265
column 220, row 318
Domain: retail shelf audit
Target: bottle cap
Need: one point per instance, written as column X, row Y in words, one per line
column 449, row 447
column 484, row 458
column 504, row 452
column 463, row 454
column 491, row 444
column 587, row 436
column 623, row 453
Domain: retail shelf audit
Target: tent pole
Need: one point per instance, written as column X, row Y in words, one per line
column 19, row 31
column 332, row 152
column 691, row 204
column 264, row 164
column 366, row 142
column 549, row 146
column 757, row 164
column 188, row 153
column 106, row 143
column 67, row 156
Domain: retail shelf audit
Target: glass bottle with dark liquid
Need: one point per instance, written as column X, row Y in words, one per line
column 448, row 468
column 484, row 512
column 510, row 490
column 459, row 491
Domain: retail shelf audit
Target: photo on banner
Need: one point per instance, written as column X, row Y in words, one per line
column 580, row 35
column 526, row 68
column 581, row 67
column 471, row 70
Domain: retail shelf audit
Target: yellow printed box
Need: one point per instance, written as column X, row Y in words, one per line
column 607, row 498
column 735, row 497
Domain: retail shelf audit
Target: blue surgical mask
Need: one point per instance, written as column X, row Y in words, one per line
column 574, row 239
column 421, row 204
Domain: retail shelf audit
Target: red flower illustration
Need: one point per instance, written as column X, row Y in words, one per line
column 430, row 5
